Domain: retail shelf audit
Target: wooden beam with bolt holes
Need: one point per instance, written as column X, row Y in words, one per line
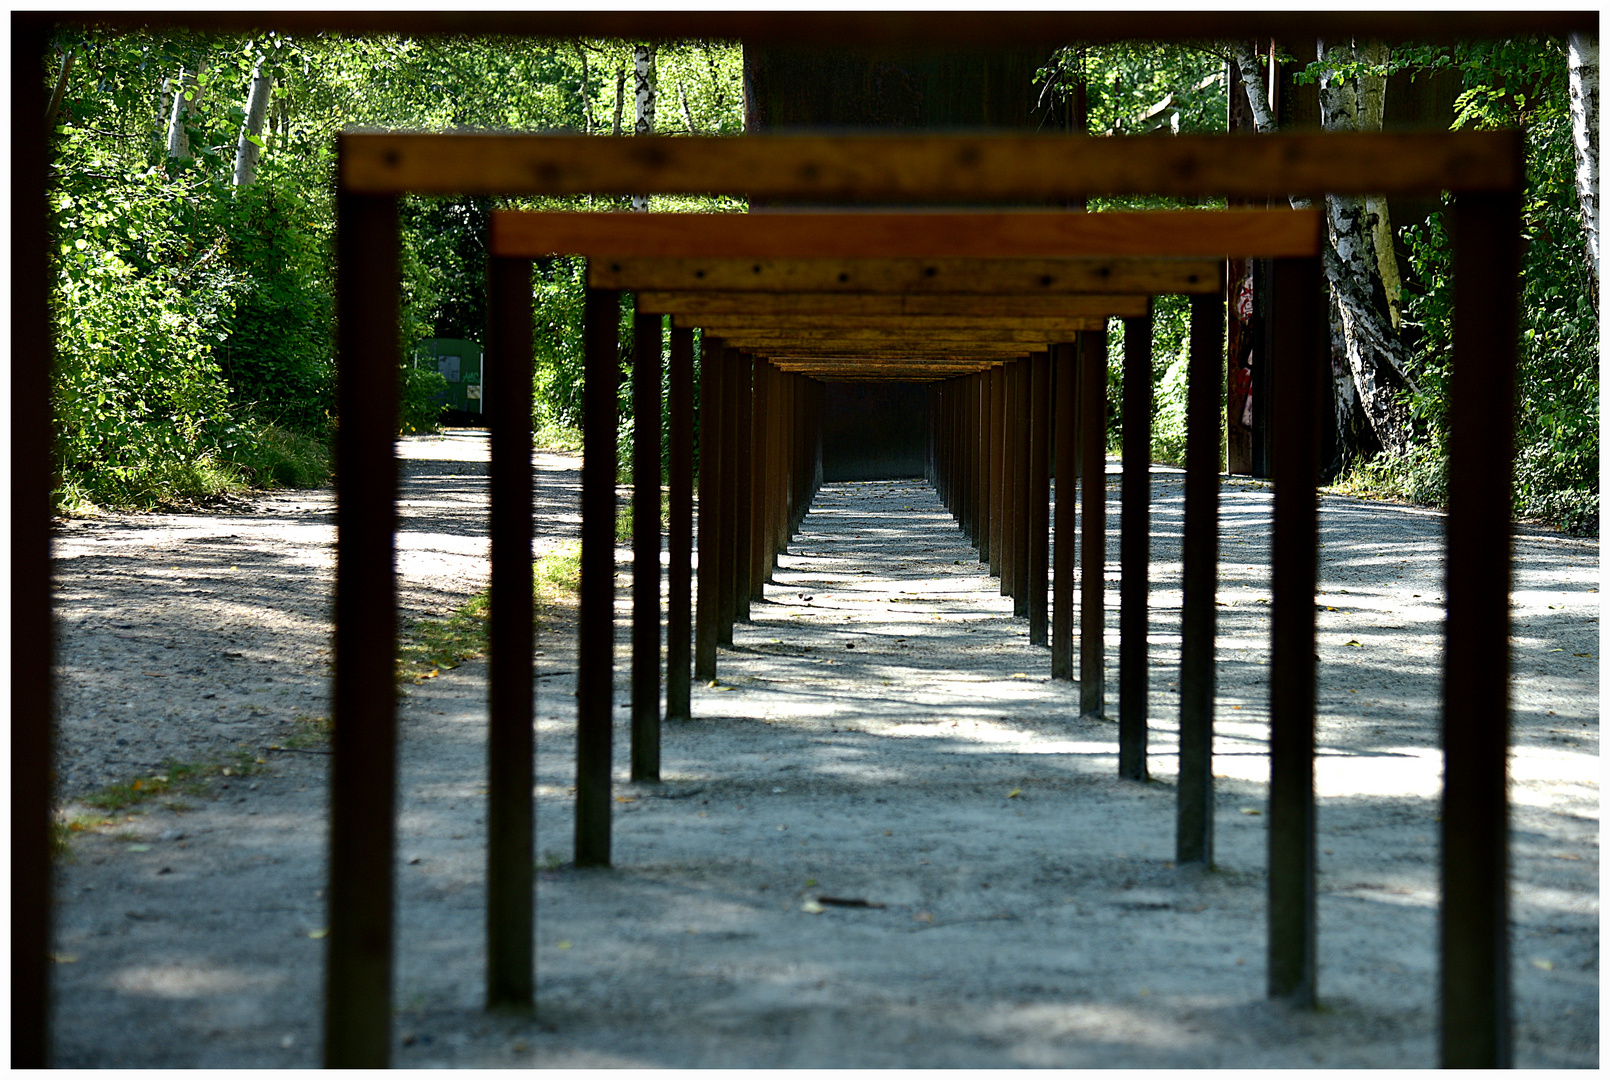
column 697, row 306
column 983, row 277
column 929, row 168
column 1043, row 234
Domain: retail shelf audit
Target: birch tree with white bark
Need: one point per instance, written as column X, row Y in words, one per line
column 646, row 91
column 1582, row 59
column 250, row 143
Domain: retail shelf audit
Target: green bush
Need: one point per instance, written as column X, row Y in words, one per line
column 418, row 410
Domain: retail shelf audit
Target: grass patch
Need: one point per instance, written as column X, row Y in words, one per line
column 623, row 517
column 189, row 778
column 312, row 733
column 431, row 646
column 551, row 436
column 556, row 576
column 270, row 456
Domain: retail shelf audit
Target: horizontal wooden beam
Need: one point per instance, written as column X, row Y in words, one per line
column 831, row 336
column 1044, row 277
column 725, row 325
column 695, row 305
column 1017, row 234
column 932, row 168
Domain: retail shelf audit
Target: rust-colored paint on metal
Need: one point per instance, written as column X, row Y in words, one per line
column 707, row 614
column 648, row 336
column 1039, row 495
column 510, row 817
column 1065, row 380
column 363, row 775
column 1021, row 495
column 760, row 481
column 743, row 553
column 1092, row 521
column 727, row 554
column 679, row 532
column 595, row 654
column 1134, row 542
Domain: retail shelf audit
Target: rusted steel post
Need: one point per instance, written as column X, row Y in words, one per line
column 727, row 552
column 363, row 777
column 1065, row 389
column 707, row 612
column 1134, row 548
column 786, row 481
column 982, row 451
column 510, row 851
column 1009, row 485
column 1194, row 840
column 760, row 481
column 997, row 472
column 1475, row 999
column 743, row 555
column 1301, row 356
column 1021, row 497
column 776, row 488
column 32, row 630
column 1039, row 494
column 679, row 538
column 595, row 652
column 1093, row 522
column 648, row 337
column 943, row 487
column 967, row 403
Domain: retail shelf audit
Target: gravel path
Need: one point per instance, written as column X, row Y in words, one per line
column 881, row 732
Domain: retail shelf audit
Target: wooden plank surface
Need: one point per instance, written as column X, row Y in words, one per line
column 834, row 335
column 955, row 234
column 998, row 277
column 932, row 168
column 703, row 305
column 914, row 324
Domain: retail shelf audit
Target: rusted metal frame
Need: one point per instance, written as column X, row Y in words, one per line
column 1039, row 495
column 1021, row 496
column 760, row 480
column 743, row 552
column 997, row 473
column 648, row 341
column 33, row 633
column 511, row 637
column 773, row 489
column 1093, row 523
column 790, row 459
column 975, row 485
column 1300, row 350
column 727, row 554
column 363, row 775
column 707, row 612
column 1474, row 923
column 679, row 538
column 595, row 646
column 1194, row 838
column 1065, row 383
column 1134, row 543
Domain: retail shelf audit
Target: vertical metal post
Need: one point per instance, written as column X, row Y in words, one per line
column 648, row 336
column 1301, row 356
column 679, row 538
column 32, row 629
column 743, row 555
column 1475, row 999
column 363, row 775
column 997, row 472
column 1093, row 521
column 707, row 614
column 595, row 653
column 1020, row 493
column 982, row 453
column 728, row 519
column 511, row 853
column 1039, row 493
column 1194, row 841
column 1065, row 387
column 760, row 481
column 1134, row 543
column 1009, row 485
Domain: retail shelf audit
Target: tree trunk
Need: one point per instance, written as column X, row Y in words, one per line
column 186, row 93
column 687, row 113
column 644, row 85
column 620, row 97
column 251, row 132
column 54, row 108
column 1372, row 349
column 587, row 124
column 1583, row 62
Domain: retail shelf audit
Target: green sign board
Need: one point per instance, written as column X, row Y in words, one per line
column 459, row 362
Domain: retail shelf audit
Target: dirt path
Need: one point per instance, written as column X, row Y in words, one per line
column 882, row 732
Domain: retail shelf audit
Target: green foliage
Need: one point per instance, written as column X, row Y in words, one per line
column 1514, row 83
column 417, row 407
column 269, row 456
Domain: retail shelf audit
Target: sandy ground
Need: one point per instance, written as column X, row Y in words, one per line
column 882, row 732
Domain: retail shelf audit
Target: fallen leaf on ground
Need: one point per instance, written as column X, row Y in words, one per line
column 319, row 933
column 139, row 847
column 1355, row 644
column 1251, row 811
column 63, row 958
column 563, row 945
column 811, row 907
column 1541, row 964
column 1014, row 793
